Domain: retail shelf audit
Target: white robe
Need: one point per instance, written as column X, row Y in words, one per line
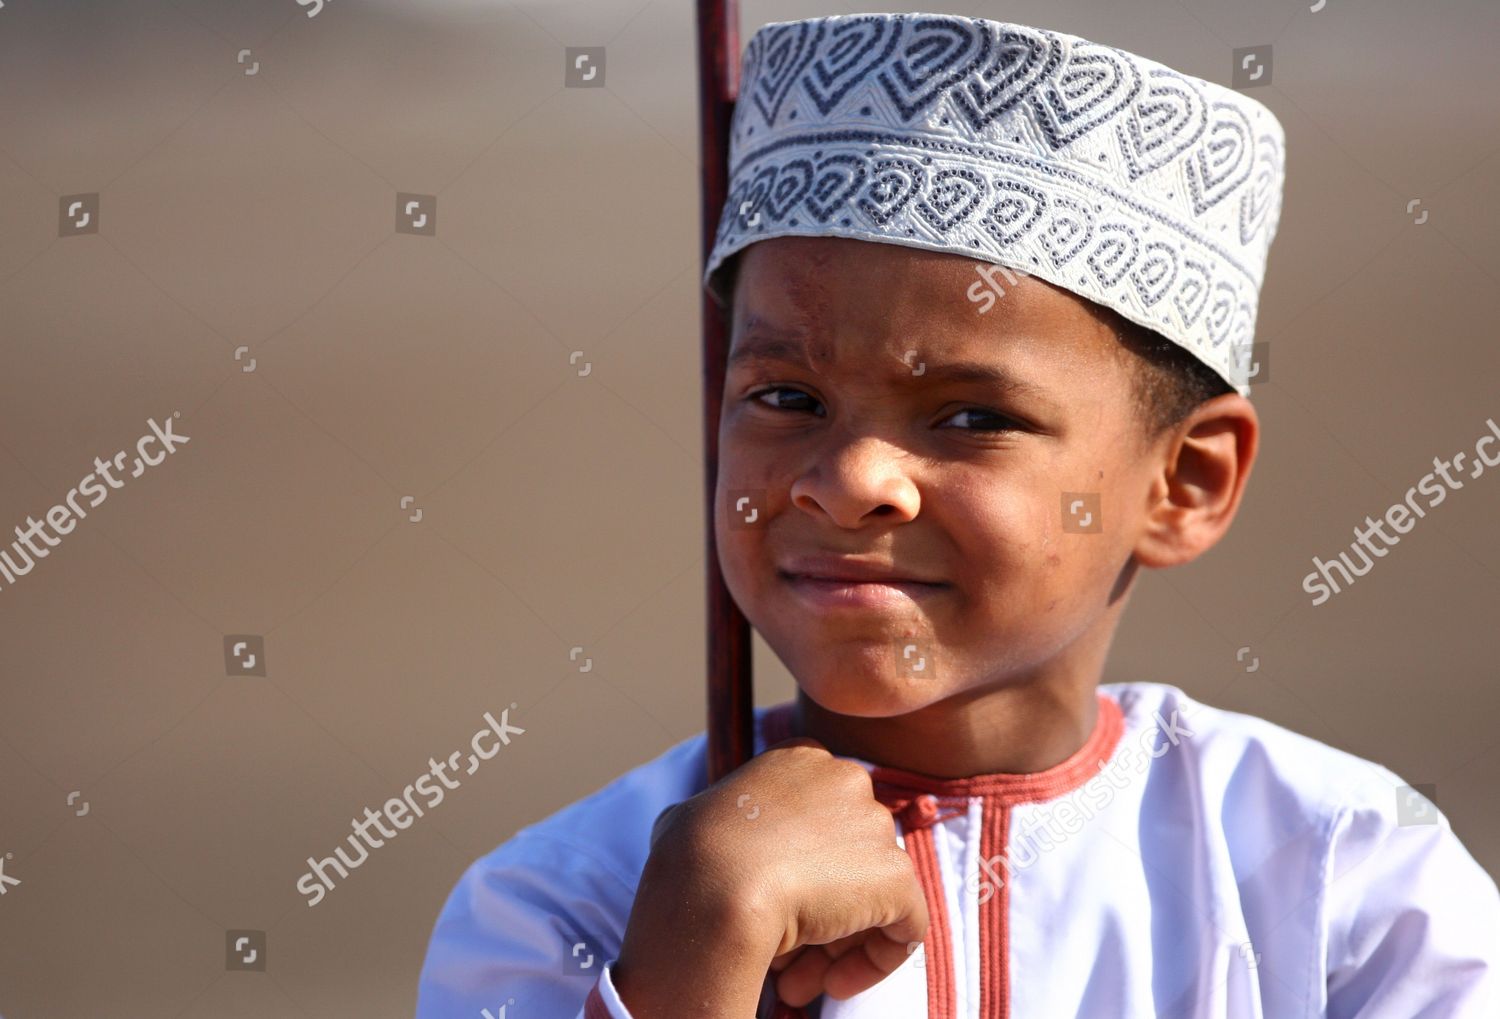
column 1186, row 862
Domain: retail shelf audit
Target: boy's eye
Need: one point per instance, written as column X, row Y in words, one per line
column 777, row 404
column 998, row 422
column 979, row 419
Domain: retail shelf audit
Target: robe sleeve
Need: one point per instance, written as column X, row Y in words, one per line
column 534, row 925
column 1412, row 922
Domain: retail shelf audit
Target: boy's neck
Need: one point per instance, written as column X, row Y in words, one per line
column 1017, row 729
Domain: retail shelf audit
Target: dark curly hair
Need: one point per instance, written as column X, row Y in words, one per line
column 1170, row 381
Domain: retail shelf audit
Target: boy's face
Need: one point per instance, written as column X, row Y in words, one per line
column 848, row 439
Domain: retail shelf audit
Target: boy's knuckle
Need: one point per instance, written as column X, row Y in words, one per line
column 854, row 774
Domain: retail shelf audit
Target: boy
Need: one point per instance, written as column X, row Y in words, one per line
column 955, row 480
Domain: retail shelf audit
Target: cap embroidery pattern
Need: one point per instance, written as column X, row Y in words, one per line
column 1113, row 176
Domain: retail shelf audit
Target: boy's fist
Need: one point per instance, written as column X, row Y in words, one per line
column 795, row 853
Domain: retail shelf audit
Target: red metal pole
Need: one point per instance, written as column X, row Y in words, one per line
column 730, row 685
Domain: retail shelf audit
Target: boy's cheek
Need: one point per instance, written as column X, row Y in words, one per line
column 744, row 562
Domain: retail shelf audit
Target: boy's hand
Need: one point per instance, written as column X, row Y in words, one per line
column 789, row 863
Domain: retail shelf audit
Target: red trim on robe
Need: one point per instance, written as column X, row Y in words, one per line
column 994, row 932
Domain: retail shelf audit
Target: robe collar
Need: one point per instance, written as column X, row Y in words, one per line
column 920, row 800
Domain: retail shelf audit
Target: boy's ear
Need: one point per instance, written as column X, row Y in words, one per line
column 1199, row 470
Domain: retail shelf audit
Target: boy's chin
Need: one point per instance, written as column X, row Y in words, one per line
column 863, row 695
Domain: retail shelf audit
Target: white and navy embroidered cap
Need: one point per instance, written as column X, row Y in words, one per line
column 1133, row 185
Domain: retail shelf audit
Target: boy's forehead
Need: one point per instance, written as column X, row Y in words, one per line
column 824, row 303
column 881, row 360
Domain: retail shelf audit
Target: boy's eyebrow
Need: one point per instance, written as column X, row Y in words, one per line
column 770, row 347
column 776, row 347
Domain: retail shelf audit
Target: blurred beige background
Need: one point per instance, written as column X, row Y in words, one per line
column 258, row 210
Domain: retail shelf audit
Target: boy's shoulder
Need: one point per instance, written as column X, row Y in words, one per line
column 535, row 916
column 1396, row 912
column 537, row 913
column 1243, row 756
column 1264, row 792
column 612, row 825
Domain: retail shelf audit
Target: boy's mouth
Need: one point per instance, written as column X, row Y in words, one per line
column 851, row 569
column 841, row 582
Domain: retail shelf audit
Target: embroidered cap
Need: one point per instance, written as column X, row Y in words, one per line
column 1149, row 191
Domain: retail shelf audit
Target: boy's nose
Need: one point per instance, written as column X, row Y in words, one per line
column 855, row 483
